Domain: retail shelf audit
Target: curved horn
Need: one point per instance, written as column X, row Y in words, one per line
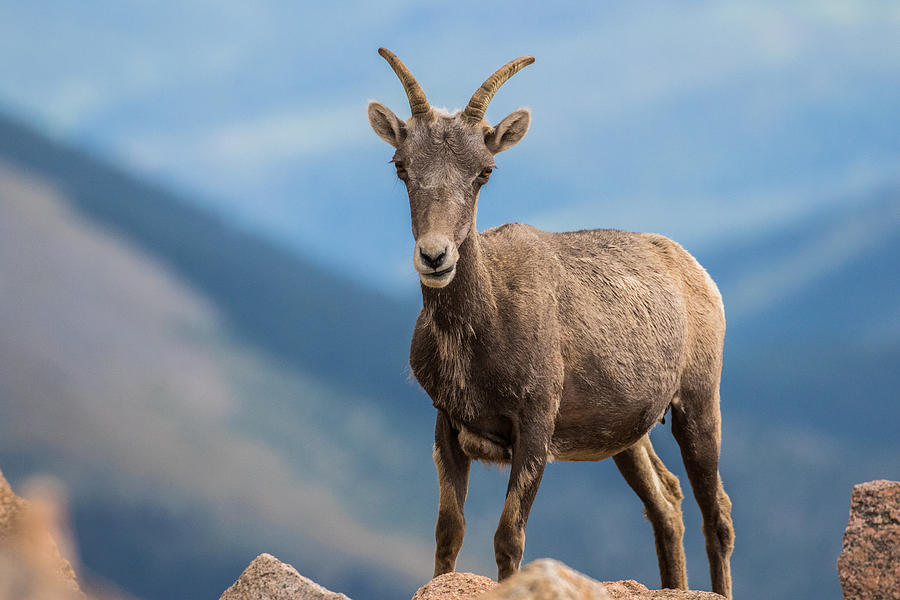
column 418, row 103
column 482, row 96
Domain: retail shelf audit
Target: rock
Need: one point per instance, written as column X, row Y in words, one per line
column 11, row 509
column 31, row 566
column 547, row 579
column 267, row 578
column 627, row 588
column 630, row 589
column 455, row 586
column 869, row 564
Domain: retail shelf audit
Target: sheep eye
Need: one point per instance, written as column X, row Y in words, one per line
column 401, row 169
column 486, row 172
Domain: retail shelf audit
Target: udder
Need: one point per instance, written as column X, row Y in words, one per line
column 488, row 439
column 479, row 447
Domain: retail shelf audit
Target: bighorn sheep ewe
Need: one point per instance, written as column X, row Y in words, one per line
column 539, row 346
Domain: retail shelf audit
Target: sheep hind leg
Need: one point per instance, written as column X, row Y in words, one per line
column 661, row 494
column 696, row 425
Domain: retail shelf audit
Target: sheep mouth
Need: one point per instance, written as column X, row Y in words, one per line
column 441, row 273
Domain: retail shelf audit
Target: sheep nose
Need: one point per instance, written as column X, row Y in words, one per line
column 434, row 260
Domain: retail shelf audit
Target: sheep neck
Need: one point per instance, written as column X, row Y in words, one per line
column 467, row 304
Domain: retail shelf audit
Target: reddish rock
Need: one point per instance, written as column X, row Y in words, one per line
column 455, row 586
column 626, row 588
column 31, row 566
column 630, row 589
column 869, row 564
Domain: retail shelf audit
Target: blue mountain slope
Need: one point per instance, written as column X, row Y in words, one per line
column 284, row 304
column 816, row 338
column 831, row 274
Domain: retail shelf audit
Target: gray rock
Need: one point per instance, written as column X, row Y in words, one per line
column 547, row 579
column 267, row 578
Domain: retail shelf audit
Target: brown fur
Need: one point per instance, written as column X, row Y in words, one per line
column 556, row 346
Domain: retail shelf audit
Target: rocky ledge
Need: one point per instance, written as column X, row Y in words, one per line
column 868, row 568
column 267, row 578
column 32, row 568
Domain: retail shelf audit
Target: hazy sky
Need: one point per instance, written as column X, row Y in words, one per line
column 699, row 121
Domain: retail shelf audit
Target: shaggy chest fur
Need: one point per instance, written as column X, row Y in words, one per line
column 470, row 374
column 484, row 380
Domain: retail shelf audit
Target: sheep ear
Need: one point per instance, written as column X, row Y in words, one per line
column 508, row 132
column 386, row 124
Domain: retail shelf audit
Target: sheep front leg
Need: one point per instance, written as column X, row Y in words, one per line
column 527, row 468
column 453, row 477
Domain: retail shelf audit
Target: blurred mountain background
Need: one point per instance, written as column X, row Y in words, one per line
column 206, row 294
